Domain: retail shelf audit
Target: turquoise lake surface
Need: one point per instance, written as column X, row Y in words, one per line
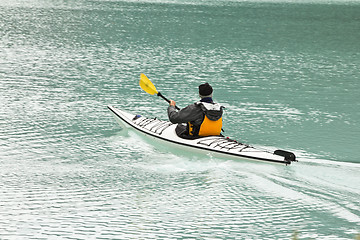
column 288, row 73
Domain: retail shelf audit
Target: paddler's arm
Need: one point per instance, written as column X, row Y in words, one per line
column 184, row 115
column 172, row 103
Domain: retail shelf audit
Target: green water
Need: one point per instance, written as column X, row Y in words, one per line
column 286, row 71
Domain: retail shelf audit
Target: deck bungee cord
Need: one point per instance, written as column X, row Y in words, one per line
column 224, row 143
column 158, row 125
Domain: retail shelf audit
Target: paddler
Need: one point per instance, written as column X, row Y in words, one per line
column 203, row 118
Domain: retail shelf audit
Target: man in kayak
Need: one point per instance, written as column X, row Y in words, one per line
column 203, row 118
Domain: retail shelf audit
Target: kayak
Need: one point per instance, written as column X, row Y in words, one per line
column 218, row 146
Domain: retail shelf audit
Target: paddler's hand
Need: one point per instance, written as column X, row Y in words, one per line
column 172, row 103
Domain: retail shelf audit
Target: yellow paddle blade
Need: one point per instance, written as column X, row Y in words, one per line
column 147, row 85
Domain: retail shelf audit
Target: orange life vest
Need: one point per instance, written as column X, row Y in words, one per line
column 208, row 127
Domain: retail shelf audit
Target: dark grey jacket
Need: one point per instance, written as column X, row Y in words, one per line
column 194, row 113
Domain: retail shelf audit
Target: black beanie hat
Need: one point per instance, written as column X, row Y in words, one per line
column 205, row 89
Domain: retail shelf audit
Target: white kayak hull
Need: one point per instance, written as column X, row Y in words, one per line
column 218, row 146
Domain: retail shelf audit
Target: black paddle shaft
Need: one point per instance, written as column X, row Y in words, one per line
column 160, row 95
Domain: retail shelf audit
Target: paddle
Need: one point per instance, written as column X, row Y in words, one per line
column 149, row 87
